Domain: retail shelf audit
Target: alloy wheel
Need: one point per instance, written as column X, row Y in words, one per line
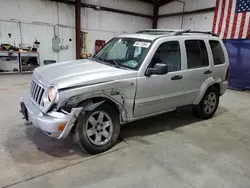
column 99, row 128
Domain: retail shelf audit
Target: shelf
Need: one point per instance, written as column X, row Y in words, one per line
column 8, row 54
column 10, row 72
column 30, row 67
column 21, row 58
column 29, row 54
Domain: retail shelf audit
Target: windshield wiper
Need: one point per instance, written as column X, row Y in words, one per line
column 114, row 62
column 108, row 61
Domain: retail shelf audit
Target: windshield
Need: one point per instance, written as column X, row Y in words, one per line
column 124, row 52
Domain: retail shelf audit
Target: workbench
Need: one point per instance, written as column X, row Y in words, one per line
column 18, row 62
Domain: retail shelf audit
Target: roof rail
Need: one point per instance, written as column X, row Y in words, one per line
column 199, row 32
column 175, row 31
column 157, row 30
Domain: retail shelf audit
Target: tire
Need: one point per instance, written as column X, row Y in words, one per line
column 208, row 105
column 92, row 135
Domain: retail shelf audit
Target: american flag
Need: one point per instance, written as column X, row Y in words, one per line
column 232, row 19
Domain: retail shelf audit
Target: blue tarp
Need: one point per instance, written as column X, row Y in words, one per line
column 239, row 60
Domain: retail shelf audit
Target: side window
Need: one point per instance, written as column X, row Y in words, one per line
column 217, row 51
column 197, row 55
column 168, row 53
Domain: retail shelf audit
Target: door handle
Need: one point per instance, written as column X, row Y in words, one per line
column 178, row 77
column 208, row 72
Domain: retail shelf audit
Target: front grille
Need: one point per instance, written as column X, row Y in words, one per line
column 36, row 92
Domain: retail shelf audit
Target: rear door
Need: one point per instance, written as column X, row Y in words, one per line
column 197, row 69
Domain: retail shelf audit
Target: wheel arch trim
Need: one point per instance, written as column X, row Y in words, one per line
column 204, row 87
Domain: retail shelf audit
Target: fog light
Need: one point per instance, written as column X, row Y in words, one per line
column 61, row 127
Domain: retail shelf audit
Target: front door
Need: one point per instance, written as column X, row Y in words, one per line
column 158, row 93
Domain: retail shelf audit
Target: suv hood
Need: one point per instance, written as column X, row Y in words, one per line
column 79, row 72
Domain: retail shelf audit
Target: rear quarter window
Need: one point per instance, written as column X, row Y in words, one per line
column 217, row 51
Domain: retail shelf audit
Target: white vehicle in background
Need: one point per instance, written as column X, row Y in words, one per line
column 132, row 77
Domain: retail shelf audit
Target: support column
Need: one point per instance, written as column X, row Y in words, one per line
column 78, row 28
column 155, row 16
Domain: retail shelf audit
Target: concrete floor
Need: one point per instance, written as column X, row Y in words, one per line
column 173, row 150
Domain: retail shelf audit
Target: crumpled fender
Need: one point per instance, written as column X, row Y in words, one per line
column 90, row 106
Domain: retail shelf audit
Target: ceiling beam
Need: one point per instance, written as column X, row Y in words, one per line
column 211, row 9
column 97, row 7
column 147, row 1
column 162, row 2
column 155, row 17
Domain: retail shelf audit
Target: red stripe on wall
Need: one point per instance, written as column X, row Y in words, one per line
column 215, row 15
column 228, row 18
column 234, row 26
column 222, row 16
column 242, row 24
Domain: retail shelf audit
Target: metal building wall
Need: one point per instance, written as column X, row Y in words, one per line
column 199, row 21
column 42, row 19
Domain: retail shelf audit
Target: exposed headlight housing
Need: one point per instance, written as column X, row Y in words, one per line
column 52, row 94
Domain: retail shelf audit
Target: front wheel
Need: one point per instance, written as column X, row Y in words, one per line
column 98, row 131
column 208, row 105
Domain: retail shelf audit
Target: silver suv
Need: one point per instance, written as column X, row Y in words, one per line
column 132, row 77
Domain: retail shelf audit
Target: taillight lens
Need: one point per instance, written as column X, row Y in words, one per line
column 228, row 73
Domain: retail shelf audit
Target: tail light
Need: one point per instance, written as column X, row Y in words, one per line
column 228, row 73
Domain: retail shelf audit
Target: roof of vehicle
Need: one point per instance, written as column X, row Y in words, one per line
column 152, row 34
column 141, row 36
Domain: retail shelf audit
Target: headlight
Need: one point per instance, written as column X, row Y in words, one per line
column 52, row 94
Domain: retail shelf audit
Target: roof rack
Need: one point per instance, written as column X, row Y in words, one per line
column 199, row 32
column 157, row 31
column 175, row 32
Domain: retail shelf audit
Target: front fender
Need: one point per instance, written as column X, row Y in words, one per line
column 206, row 84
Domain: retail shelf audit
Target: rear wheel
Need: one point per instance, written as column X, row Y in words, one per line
column 98, row 131
column 208, row 105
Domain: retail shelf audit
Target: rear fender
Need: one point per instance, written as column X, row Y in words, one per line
column 206, row 84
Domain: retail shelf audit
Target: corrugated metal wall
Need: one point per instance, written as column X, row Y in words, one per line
column 39, row 17
column 201, row 21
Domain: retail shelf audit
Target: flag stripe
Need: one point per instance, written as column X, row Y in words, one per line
column 224, row 19
column 221, row 16
column 242, row 24
column 248, row 30
column 246, row 25
column 228, row 18
column 218, row 17
column 234, row 25
column 231, row 20
column 215, row 15
column 237, row 29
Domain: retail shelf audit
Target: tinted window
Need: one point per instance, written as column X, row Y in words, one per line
column 168, row 53
column 217, row 51
column 196, row 54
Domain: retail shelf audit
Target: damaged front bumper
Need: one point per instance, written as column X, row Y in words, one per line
column 54, row 124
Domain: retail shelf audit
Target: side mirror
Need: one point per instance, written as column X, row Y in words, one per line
column 159, row 69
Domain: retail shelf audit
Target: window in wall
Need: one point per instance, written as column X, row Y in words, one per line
column 217, row 51
column 197, row 55
column 168, row 53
